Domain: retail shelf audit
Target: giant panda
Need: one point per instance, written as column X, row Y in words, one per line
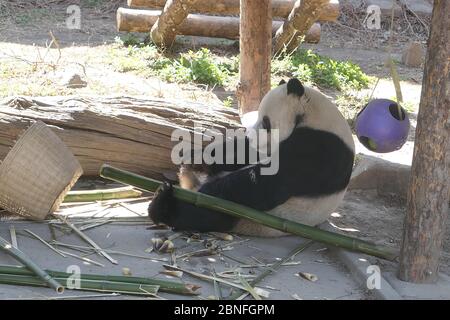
column 316, row 154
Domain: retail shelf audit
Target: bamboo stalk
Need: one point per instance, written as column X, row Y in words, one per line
column 82, row 258
column 12, row 232
column 85, row 285
column 45, row 242
column 102, row 195
column 239, row 295
column 237, row 210
column 91, row 242
column 89, row 250
column 164, row 285
column 34, row 268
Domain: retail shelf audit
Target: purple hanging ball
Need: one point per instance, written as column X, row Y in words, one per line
column 380, row 127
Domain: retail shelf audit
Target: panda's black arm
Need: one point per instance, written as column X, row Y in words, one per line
column 238, row 153
column 245, row 186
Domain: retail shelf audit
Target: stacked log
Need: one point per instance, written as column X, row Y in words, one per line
column 132, row 20
column 280, row 8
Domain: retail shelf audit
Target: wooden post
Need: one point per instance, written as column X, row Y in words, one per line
column 255, row 48
column 164, row 30
column 304, row 14
column 429, row 188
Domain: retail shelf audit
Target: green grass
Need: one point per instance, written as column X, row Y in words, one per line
column 312, row 68
column 350, row 103
column 204, row 67
column 200, row 67
column 33, row 15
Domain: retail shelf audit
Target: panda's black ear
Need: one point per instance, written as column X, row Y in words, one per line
column 294, row 86
column 281, row 82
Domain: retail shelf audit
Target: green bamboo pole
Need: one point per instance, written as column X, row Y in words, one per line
column 101, row 195
column 85, row 285
column 22, row 257
column 164, row 285
column 240, row 211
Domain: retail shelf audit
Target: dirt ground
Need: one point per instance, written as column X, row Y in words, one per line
column 365, row 215
column 24, row 34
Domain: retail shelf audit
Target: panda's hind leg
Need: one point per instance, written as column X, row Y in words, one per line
column 183, row 216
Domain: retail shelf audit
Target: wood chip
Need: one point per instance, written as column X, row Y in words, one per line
column 308, row 276
column 126, row 271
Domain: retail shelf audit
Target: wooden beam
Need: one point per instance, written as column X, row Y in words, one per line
column 164, row 30
column 429, row 187
column 133, row 20
column 280, row 8
column 304, row 14
column 255, row 57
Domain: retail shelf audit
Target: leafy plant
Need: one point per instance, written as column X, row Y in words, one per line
column 200, row 67
column 313, row 68
column 228, row 102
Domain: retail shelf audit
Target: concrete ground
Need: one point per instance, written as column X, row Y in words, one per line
column 334, row 281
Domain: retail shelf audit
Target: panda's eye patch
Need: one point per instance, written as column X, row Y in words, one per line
column 266, row 123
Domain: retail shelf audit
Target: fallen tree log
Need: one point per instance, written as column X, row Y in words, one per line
column 280, row 8
column 131, row 133
column 133, row 20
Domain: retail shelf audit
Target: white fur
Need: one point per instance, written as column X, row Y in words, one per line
column 318, row 110
column 309, row 211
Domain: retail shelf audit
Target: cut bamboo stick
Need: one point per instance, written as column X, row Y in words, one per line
column 240, row 211
column 12, row 232
column 35, row 269
column 280, row 8
column 132, row 20
column 45, row 242
column 86, row 285
column 102, row 195
column 90, row 241
column 164, row 285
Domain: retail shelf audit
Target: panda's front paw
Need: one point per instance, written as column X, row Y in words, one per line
column 159, row 207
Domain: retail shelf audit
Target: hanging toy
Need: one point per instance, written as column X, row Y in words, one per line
column 382, row 126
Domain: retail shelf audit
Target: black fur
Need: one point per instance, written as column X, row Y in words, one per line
column 312, row 163
column 295, row 87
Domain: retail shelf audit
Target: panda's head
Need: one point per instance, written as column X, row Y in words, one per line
column 282, row 108
column 292, row 105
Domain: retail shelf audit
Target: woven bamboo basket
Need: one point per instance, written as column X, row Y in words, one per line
column 37, row 173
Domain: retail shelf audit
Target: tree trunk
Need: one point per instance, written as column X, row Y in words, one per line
column 280, row 8
column 255, row 47
column 133, row 20
column 130, row 133
column 164, row 31
column 429, row 188
column 304, row 14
